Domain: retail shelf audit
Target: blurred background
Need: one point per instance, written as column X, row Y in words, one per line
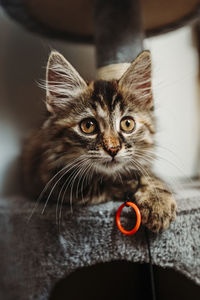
column 23, row 57
column 172, row 36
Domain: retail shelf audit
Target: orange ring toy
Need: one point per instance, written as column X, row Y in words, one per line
column 138, row 222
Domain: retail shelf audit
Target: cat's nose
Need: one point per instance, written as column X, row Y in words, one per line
column 113, row 151
column 111, row 144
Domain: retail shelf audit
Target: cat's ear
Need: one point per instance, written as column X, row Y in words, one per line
column 63, row 82
column 137, row 78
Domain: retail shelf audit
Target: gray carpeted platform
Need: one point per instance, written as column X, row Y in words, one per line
column 34, row 255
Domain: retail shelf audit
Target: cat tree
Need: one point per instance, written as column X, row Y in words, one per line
column 34, row 256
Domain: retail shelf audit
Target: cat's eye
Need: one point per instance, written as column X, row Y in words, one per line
column 88, row 126
column 127, row 124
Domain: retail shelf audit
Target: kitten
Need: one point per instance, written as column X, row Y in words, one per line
column 98, row 142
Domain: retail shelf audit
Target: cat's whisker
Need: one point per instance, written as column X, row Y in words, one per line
column 79, row 180
column 67, row 183
column 169, row 150
column 85, row 179
column 63, row 196
column 59, row 195
column 181, row 166
column 52, row 189
column 84, row 171
column 159, row 157
column 147, row 176
column 149, row 161
column 46, row 187
column 64, row 187
column 54, row 186
column 72, row 184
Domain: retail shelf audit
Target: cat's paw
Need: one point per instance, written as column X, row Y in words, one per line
column 158, row 208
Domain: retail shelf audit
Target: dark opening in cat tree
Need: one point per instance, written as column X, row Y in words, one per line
column 124, row 280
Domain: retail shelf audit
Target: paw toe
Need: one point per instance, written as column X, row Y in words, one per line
column 145, row 215
column 166, row 223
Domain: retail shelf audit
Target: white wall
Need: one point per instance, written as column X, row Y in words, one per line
column 176, row 92
column 23, row 58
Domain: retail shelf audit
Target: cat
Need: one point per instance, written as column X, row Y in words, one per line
column 97, row 143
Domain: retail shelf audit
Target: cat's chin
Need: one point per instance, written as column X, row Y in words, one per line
column 112, row 168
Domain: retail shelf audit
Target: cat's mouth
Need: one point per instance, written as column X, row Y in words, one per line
column 108, row 164
column 112, row 161
column 111, row 167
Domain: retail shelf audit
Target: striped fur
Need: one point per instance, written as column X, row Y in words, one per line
column 66, row 165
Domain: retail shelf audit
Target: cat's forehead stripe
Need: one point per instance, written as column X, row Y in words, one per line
column 102, row 112
column 106, row 93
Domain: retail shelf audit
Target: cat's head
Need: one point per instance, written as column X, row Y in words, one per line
column 110, row 124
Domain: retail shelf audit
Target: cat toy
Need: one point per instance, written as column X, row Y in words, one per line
column 133, row 231
column 138, row 215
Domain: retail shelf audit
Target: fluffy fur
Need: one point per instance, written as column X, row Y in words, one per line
column 97, row 143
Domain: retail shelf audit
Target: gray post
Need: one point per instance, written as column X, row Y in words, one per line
column 118, row 31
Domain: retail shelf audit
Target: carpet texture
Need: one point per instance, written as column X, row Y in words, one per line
column 35, row 255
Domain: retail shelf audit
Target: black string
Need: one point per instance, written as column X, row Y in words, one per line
column 129, row 197
column 153, row 290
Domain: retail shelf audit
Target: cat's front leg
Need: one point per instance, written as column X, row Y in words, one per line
column 156, row 203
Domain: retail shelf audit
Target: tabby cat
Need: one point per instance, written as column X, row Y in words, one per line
column 98, row 142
